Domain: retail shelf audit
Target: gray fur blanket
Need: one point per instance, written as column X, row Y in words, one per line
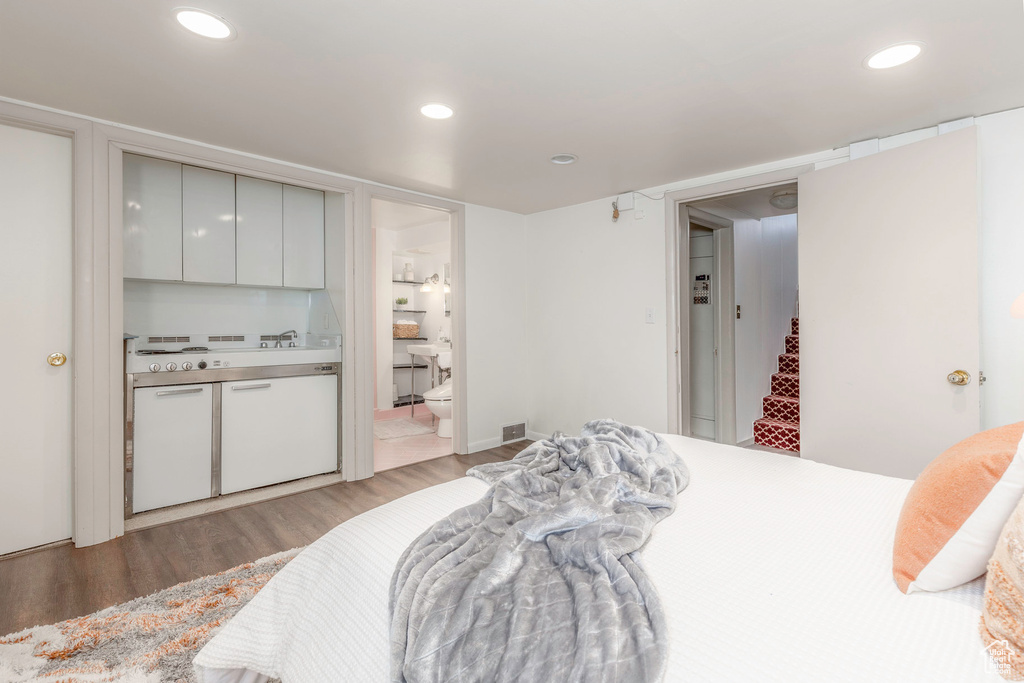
column 540, row 580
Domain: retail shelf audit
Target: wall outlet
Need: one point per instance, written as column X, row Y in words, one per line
column 638, row 214
column 649, row 315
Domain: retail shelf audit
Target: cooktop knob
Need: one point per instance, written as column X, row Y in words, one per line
column 154, row 367
column 186, row 365
column 172, row 366
column 202, row 365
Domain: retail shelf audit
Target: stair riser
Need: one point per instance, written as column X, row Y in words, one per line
column 781, row 436
column 792, row 344
column 795, row 326
column 775, row 408
column 789, row 364
column 786, row 385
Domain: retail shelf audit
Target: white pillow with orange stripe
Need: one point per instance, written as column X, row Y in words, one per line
column 954, row 512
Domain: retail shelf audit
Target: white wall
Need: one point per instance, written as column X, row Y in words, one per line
column 1001, row 252
column 160, row 308
column 588, row 282
column 778, row 289
column 496, row 323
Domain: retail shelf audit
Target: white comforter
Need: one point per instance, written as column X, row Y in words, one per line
column 772, row 568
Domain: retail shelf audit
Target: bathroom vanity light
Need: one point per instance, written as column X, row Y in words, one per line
column 428, row 282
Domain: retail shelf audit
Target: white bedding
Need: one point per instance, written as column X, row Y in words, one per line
column 772, row 568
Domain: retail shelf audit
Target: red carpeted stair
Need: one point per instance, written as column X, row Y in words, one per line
column 780, row 426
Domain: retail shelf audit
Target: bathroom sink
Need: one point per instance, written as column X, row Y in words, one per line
column 427, row 349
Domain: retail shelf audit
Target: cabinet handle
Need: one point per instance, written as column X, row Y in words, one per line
column 178, row 392
column 246, row 387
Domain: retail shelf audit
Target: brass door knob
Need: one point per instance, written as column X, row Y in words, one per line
column 56, row 359
column 958, row 377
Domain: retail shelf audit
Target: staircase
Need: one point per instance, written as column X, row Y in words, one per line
column 780, row 426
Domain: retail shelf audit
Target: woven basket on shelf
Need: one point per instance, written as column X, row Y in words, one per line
column 406, row 331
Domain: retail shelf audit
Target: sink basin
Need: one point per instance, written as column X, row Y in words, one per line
column 428, row 350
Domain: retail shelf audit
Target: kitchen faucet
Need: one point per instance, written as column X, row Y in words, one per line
column 291, row 335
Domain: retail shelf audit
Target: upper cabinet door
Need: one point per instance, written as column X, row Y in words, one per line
column 259, row 236
column 208, row 225
column 152, row 218
column 303, row 238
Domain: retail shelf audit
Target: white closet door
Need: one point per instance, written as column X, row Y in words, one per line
column 259, row 232
column 303, row 238
column 35, row 306
column 888, row 251
column 152, row 218
column 208, row 222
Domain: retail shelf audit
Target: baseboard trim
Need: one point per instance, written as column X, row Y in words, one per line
column 536, row 436
column 484, row 444
column 746, row 442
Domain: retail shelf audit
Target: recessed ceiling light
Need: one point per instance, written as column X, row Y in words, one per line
column 894, row 55
column 563, row 159
column 436, row 110
column 204, row 23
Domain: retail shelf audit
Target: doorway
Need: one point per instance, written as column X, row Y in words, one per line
column 412, row 274
column 735, row 279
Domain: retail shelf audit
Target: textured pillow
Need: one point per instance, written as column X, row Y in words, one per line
column 955, row 510
column 1002, row 618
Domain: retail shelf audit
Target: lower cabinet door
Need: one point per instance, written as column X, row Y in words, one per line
column 277, row 430
column 173, row 445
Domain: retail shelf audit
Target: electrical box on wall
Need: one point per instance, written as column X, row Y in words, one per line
column 624, row 202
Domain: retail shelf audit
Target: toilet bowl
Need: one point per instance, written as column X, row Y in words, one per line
column 439, row 401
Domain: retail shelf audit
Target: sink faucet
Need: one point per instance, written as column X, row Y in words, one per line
column 291, row 335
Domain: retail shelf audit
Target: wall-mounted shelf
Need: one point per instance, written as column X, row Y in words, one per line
column 406, row 282
column 409, row 338
column 398, row 310
column 404, row 400
column 407, row 366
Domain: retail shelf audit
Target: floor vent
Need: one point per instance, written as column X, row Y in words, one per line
column 170, row 340
column 513, row 432
column 226, row 337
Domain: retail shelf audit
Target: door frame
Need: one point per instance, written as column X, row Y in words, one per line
column 723, row 280
column 364, row 322
column 96, row 345
column 677, row 325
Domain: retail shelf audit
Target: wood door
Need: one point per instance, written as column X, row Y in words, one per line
column 888, row 256
column 36, row 307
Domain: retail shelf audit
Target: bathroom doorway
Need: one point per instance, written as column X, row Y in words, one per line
column 413, row 357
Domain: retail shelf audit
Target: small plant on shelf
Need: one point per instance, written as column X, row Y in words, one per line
column 401, row 302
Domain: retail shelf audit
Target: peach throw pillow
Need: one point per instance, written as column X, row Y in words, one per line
column 956, row 509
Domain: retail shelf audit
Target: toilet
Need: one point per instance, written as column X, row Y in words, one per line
column 439, row 401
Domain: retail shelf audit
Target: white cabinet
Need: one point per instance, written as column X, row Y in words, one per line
column 152, row 218
column 208, row 225
column 259, row 239
column 277, row 430
column 303, row 238
column 173, row 445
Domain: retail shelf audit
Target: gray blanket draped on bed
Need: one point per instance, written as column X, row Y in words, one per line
column 540, row 579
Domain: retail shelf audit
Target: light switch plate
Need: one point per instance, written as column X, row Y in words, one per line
column 649, row 315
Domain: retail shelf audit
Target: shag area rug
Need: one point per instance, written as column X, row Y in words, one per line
column 396, row 429
column 147, row 640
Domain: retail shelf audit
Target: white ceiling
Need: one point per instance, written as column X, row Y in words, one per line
column 753, row 203
column 645, row 92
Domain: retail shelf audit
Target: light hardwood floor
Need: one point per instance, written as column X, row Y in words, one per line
column 62, row 582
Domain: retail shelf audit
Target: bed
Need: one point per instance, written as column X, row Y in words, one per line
column 772, row 568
